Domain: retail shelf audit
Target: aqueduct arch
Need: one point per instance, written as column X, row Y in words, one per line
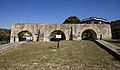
column 89, row 34
column 43, row 31
column 57, row 32
column 25, row 36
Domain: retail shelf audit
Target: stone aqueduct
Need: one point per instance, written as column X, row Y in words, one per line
column 46, row 29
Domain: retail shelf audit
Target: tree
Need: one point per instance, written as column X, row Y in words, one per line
column 72, row 20
column 115, row 25
column 5, row 35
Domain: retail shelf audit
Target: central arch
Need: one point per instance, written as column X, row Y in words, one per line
column 25, row 36
column 89, row 34
column 57, row 32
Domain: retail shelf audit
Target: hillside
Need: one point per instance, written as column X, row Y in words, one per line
column 71, row 55
column 4, row 33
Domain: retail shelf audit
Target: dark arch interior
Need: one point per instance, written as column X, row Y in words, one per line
column 25, row 36
column 57, row 32
column 89, row 35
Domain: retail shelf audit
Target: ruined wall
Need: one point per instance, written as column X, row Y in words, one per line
column 47, row 29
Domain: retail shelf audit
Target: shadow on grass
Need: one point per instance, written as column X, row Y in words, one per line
column 52, row 47
column 115, row 59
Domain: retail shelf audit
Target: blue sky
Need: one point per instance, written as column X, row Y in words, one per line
column 55, row 11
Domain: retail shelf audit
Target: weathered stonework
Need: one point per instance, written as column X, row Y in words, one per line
column 47, row 29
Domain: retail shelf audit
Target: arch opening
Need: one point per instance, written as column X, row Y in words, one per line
column 89, row 34
column 25, row 36
column 57, row 32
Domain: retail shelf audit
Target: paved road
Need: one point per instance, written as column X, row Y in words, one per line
column 5, row 47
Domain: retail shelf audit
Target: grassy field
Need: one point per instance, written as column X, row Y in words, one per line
column 115, row 42
column 72, row 55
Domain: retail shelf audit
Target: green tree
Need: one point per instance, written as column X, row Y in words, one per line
column 72, row 20
column 5, row 34
column 115, row 25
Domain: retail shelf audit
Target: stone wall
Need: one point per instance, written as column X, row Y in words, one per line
column 47, row 29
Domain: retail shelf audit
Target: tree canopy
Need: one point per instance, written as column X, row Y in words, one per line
column 115, row 25
column 4, row 34
column 72, row 20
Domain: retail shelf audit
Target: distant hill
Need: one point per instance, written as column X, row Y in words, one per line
column 5, row 34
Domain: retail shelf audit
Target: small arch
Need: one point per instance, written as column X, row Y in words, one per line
column 25, row 36
column 54, row 33
column 89, row 34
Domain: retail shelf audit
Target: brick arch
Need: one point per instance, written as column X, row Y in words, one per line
column 32, row 33
column 54, row 32
column 89, row 34
column 23, row 32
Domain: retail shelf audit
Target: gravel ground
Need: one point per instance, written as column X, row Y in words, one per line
column 71, row 55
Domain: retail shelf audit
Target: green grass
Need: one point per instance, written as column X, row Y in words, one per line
column 114, row 42
column 72, row 55
column 117, row 44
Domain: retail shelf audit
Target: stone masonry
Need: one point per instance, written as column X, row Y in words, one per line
column 47, row 29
